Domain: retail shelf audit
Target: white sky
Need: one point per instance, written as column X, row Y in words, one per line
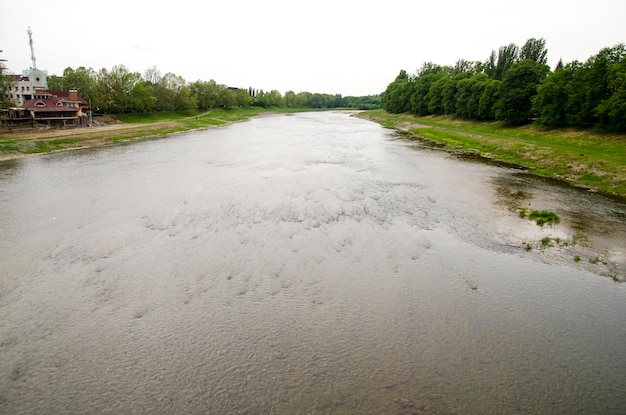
column 343, row 47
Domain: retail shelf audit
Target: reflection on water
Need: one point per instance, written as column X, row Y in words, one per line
column 302, row 264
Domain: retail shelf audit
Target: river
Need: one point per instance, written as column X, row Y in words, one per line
column 304, row 264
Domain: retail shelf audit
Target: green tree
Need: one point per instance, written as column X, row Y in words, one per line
column 436, row 95
column 6, row 84
column 489, row 100
column 552, row 100
column 590, row 86
column 114, row 89
column 56, row 83
column 469, row 93
column 242, row 98
column 519, row 87
column 427, row 75
column 611, row 112
column 141, row 98
column 507, row 57
column 82, row 79
column 206, row 92
column 303, row 98
column 397, row 96
column 535, row 50
column 290, row 99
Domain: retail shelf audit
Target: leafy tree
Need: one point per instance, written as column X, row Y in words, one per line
column 226, row 98
column 207, row 93
column 6, row 82
column 519, row 86
column 611, row 112
column 290, row 99
column 469, row 93
column 488, row 104
column 490, row 65
column 427, row 75
column 436, row 95
column 318, row 101
column 397, row 96
column 242, row 98
column 56, row 83
column 507, row 57
column 114, row 88
column 152, row 75
column 552, row 99
column 303, row 98
column 141, row 98
column 82, row 79
column 535, row 50
column 185, row 101
column 589, row 86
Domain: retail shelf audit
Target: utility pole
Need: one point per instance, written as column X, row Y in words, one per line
column 32, row 48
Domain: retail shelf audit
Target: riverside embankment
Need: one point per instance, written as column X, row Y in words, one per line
column 587, row 159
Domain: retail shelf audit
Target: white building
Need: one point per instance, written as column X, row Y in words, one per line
column 25, row 84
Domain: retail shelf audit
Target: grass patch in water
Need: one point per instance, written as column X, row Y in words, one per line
column 541, row 217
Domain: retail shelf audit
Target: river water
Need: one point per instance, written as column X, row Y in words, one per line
column 304, row 264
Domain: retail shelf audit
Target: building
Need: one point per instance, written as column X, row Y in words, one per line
column 25, row 85
column 49, row 109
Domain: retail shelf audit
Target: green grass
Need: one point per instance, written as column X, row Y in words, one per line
column 541, row 217
column 581, row 157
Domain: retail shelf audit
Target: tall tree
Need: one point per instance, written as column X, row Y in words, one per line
column 519, row 86
column 82, row 79
column 611, row 112
column 507, row 57
column 427, row 75
column 152, row 75
column 489, row 100
column 397, row 96
column 552, row 100
column 535, row 50
column 6, row 82
column 114, row 89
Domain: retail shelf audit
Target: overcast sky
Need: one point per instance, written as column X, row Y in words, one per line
column 338, row 47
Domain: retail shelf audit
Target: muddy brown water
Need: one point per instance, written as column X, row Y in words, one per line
column 312, row 263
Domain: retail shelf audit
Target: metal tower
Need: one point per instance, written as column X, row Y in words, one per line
column 32, row 49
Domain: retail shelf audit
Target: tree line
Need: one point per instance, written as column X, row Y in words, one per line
column 119, row 90
column 515, row 85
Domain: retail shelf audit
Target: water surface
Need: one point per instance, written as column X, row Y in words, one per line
column 311, row 263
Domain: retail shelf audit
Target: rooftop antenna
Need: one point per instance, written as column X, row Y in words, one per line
column 32, row 49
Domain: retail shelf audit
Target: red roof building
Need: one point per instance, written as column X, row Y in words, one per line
column 62, row 108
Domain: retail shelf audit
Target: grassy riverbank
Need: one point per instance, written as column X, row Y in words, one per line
column 121, row 128
column 583, row 158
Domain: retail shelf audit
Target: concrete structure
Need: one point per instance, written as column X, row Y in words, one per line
column 25, row 85
column 49, row 109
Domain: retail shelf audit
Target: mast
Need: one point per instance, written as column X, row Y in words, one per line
column 32, row 48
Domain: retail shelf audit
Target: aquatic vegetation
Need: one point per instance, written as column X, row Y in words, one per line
column 541, row 217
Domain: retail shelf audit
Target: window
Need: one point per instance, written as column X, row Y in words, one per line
column 40, row 104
